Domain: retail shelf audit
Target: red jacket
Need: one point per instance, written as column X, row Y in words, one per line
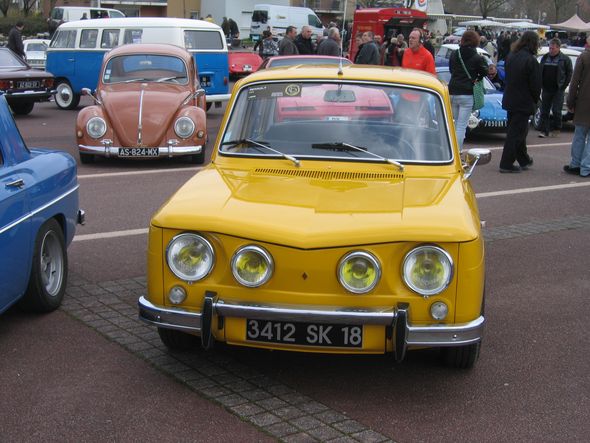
column 422, row 60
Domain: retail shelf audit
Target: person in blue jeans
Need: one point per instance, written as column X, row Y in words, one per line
column 460, row 85
column 578, row 102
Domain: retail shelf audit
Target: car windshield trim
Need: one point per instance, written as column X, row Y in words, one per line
column 446, row 156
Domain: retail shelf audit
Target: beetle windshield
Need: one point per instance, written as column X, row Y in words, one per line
column 356, row 122
column 145, row 68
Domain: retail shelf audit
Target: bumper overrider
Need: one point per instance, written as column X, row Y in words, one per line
column 108, row 150
column 396, row 318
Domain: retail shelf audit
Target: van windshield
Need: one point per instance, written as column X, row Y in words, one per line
column 260, row 16
column 145, row 68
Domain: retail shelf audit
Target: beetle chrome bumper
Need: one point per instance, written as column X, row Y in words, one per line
column 405, row 334
column 166, row 151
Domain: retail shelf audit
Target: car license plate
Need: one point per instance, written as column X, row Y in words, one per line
column 138, row 152
column 307, row 334
column 27, row 84
column 247, row 68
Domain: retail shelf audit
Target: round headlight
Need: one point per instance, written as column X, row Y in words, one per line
column 359, row 272
column 190, row 257
column 427, row 270
column 252, row 266
column 96, row 127
column 184, row 127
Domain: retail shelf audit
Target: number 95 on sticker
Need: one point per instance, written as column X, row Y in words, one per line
column 307, row 334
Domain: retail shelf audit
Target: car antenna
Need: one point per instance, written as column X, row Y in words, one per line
column 342, row 40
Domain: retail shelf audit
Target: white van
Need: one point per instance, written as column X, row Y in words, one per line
column 63, row 14
column 279, row 17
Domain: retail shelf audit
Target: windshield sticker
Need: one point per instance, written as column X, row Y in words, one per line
column 274, row 91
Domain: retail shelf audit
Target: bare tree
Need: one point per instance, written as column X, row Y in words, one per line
column 486, row 7
column 27, row 6
column 561, row 7
column 4, row 5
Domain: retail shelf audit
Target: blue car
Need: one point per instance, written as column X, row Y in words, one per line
column 489, row 118
column 38, row 216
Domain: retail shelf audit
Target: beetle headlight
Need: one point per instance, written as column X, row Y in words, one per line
column 184, row 127
column 96, row 127
column 427, row 270
column 359, row 272
column 190, row 257
column 252, row 266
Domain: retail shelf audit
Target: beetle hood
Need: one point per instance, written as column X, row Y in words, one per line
column 309, row 211
column 158, row 107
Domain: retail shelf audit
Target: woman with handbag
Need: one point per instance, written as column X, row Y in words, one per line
column 467, row 69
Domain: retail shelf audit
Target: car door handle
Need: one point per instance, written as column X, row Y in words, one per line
column 18, row 183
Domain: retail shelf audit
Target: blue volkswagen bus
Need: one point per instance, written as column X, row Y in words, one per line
column 77, row 48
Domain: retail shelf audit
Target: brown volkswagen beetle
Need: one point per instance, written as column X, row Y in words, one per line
column 148, row 103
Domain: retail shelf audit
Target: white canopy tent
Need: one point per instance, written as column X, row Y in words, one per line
column 525, row 25
column 573, row 24
column 484, row 23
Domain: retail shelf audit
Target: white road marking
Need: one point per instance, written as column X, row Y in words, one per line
column 132, row 232
column 148, row 171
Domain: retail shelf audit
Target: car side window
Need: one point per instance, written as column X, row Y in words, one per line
column 110, row 38
column 312, row 20
column 132, row 36
column 88, row 38
column 203, row 40
column 64, row 39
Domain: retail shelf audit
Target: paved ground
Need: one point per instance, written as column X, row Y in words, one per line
column 101, row 390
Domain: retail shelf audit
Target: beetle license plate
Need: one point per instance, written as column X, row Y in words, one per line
column 307, row 334
column 138, row 152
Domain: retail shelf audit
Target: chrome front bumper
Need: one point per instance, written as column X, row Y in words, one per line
column 163, row 151
column 405, row 334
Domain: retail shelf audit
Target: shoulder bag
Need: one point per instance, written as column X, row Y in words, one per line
column 478, row 88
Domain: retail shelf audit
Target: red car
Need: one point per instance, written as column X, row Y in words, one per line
column 243, row 63
column 292, row 60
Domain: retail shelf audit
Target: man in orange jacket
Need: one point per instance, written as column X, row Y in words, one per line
column 416, row 56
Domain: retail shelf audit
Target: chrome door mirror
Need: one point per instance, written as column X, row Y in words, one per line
column 474, row 156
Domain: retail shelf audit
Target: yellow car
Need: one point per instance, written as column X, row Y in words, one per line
column 343, row 222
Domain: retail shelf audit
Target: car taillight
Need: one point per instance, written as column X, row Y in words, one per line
column 49, row 83
column 5, row 84
column 225, row 81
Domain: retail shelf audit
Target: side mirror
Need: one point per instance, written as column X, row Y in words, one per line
column 88, row 92
column 474, row 156
column 199, row 93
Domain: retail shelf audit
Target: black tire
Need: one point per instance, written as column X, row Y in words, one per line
column 24, row 108
column 198, row 159
column 65, row 98
column 460, row 357
column 179, row 341
column 86, row 158
column 49, row 270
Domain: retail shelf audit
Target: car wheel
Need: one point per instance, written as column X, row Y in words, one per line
column 22, row 108
column 198, row 159
column 65, row 97
column 86, row 158
column 179, row 341
column 49, row 270
column 460, row 357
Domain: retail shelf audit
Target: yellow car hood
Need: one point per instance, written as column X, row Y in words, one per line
column 317, row 209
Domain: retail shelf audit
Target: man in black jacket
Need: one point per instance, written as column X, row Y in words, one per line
column 368, row 53
column 523, row 86
column 556, row 71
column 15, row 40
column 303, row 41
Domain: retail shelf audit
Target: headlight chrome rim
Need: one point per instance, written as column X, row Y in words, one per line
column 265, row 256
column 186, row 133
column 434, row 249
column 370, row 258
column 208, row 249
column 96, row 127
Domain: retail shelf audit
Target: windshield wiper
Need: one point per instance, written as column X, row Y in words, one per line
column 255, row 143
column 166, row 79
column 131, row 80
column 346, row 146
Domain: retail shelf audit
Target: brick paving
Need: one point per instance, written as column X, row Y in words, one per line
column 111, row 309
